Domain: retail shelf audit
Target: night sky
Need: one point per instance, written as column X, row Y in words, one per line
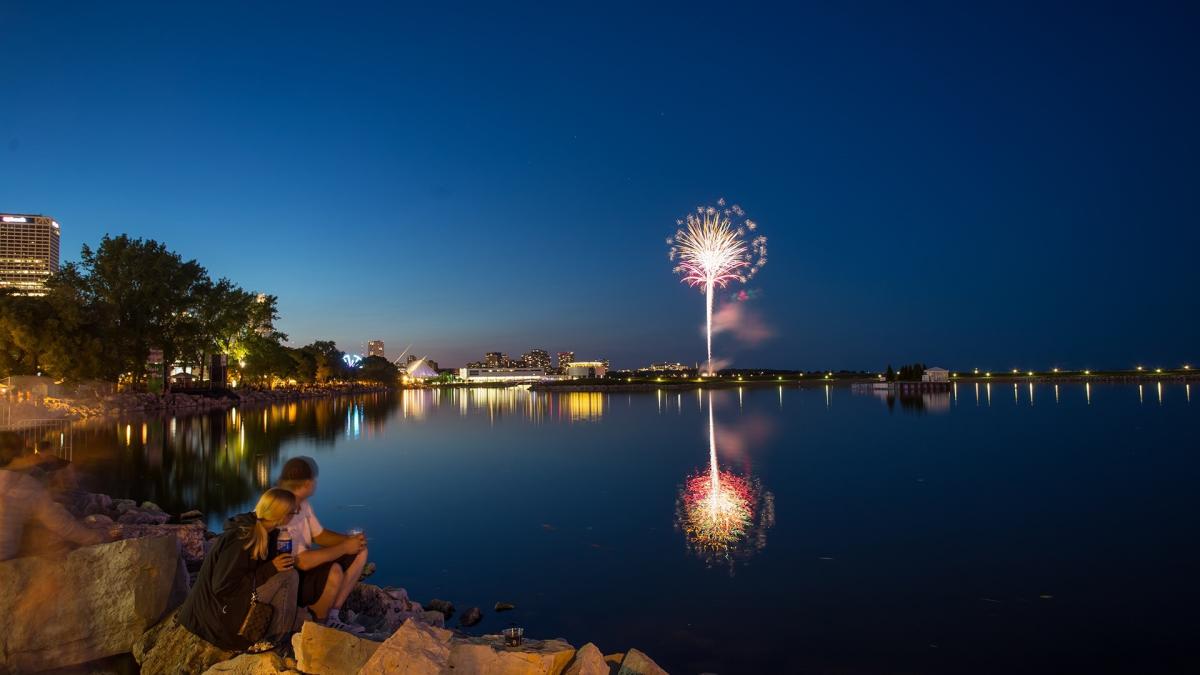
column 1003, row 186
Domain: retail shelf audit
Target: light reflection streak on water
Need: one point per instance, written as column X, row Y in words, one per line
column 1087, row 390
column 976, row 394
column 1141, row 394
column 989, row 394
column 1031, row 393
column 1016, row 398
column 955, row 393
column 1056, row 394
column 828, row 402
column 1159, row 384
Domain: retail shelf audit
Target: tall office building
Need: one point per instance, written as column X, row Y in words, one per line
column 375, row 348
column 536, row 358
column 494, row 360
column 564, row 360
column 28, row 252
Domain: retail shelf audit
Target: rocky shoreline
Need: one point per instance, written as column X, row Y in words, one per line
column 99, row 602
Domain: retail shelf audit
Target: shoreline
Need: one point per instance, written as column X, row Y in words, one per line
column 127, row 404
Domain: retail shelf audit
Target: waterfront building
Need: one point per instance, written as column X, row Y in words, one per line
column 935, row 375
column 470, row 374
column 586, row 369
column 537, row 358
column 668, row 367
column 420, row 369
column 495, row 360
column 28, row 252
column 564, row 360
column 375, row 348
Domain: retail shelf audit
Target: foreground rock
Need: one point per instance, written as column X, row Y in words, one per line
column 169, row 648
column 92, row 603
column 414, row 649
column 382, row 610
column 269, row 663
column 328, row 651
column 589, row 661
column 488, row 655
column 637, row 663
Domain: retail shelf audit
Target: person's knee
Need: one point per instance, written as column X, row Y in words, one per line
column 335, row 574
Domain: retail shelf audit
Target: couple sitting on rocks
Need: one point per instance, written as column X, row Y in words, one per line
column 316, row 577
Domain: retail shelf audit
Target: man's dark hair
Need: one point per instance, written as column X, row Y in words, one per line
column 298, row 470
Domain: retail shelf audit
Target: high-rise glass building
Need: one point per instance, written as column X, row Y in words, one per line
column 375, row 348
column 537, row 358
column 28, row 252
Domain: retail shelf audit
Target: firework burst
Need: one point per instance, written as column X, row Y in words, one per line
column 714, row 247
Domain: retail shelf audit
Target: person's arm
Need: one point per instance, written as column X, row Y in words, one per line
column 230, row 566
column 58, row 520
column 319, row 556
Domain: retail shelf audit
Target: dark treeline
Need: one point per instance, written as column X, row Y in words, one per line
column 101, row 317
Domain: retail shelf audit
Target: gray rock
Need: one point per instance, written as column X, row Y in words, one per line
column 414, row 649
column 116, row 592
column 330, row 651
column 123, row 505
column 470, row 617
column 268, row 663
column 137, row 516
column 168, row 649
column 588, row 661
column 488, row 654
column 637, row 663
column 444, row 606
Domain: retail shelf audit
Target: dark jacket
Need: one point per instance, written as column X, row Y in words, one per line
column 218, row 603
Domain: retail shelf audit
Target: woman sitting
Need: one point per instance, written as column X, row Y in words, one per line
column 244, row 559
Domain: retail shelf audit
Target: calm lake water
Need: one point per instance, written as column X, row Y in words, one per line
column 1045, row 529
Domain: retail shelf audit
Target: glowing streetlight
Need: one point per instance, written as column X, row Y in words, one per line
column 1139, row 367
column 1087, row 372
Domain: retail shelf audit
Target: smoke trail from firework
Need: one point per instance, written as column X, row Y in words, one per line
column 710, row 251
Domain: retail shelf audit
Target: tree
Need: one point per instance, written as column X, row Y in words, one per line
column 377, row 369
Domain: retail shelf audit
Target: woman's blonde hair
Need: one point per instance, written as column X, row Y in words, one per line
column 273, row 508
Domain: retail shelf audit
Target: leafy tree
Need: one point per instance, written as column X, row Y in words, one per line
column 377, row 369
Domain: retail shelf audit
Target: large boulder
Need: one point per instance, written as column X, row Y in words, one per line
column 92, row 603
column 268, row 663
column 637, row 663
column 489, row 655
column 415, row 649
column 588, row 661
column 329, row 651
column 170, row 649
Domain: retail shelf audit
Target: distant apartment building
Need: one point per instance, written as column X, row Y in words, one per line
column 564, row 360
column 28, row 252
column 537, row 358
column 375, row 348
column 495, row 360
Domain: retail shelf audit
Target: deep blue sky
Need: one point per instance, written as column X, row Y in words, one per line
column 998, row 186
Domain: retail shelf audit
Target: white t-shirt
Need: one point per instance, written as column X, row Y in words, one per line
column 303, row 527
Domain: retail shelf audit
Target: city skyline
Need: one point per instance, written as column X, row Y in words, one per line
column 933, row 189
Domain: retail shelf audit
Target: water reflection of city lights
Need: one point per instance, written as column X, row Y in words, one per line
column 581, row 406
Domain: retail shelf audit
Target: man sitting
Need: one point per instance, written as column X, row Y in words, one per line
column 24, row 502
column 330, row 563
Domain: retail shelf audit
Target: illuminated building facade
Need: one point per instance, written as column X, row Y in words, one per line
column 564, row 360
column 587, row 369
column 495, row 360
column 537, row 358
column 375, row 348
column 28, row 252
column 470, row 374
